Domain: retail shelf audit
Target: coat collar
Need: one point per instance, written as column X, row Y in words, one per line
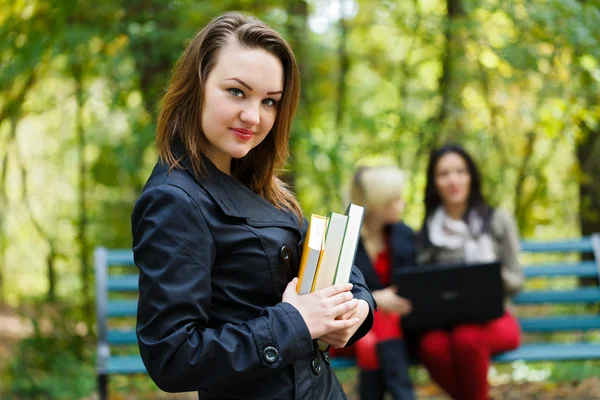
column 238, row 201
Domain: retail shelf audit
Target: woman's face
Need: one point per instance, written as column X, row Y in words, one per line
column 453, row 180
column 390, row 213
column 241, row 95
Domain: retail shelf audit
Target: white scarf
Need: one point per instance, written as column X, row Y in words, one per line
column 453, row 234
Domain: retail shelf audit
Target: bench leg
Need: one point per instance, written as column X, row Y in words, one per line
column 103, row 387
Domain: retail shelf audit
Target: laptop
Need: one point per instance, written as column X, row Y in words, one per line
column 444, row 295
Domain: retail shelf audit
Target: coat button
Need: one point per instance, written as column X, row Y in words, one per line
column 270, row 354
column 316, row 366
column 285, row 253
column 300, row 248
column 326, row 358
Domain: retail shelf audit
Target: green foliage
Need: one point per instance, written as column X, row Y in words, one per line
column 55, row 362
column 41, row 373
column 574, row 370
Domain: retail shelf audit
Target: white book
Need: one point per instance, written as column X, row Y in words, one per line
column 355, row 215
column 336, row 229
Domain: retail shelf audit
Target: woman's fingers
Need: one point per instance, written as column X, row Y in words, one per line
column 322, row 309
column 336, row 325
column 349, row 314
column 344, row 308
column 340, row 298
column 340, row 335
column 290, row 290
column 335, row 289
column 404, row 304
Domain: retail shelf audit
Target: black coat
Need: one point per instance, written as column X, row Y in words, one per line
column 401, row 240
column 214, row 260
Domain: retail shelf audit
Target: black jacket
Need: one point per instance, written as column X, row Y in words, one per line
column 214, row 260
column 401, row 240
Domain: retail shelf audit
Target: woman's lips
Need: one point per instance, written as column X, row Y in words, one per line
column 244, row 134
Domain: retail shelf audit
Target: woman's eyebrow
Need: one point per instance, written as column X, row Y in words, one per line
column 241, row 82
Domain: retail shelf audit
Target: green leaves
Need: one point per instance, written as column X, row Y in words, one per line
column 519, row 57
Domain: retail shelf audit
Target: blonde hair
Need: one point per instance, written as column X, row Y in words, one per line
column 376, row 187
column 181, row 107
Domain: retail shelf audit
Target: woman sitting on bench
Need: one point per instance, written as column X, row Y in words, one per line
column 386, row 243
column 460, row 226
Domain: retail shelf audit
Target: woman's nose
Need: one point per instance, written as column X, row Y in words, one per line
column 250, row 115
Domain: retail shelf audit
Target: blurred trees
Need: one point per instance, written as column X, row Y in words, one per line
column 516, row 82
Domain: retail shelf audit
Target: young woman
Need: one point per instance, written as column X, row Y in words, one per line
column 386, row 244
column 216, row 234
column 460, row 226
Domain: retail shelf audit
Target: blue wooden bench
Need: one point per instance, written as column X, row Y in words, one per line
column 117, row 287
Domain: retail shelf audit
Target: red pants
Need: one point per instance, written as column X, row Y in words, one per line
column 458, row 360
column 385, row 327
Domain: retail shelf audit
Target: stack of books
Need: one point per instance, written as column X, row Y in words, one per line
column 329, row 249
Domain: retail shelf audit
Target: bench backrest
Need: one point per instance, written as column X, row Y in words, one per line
column 117, row 288
column 116, row 297
column 586, row 268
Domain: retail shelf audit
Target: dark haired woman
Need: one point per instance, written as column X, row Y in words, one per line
column 216, row 234
column 460, row 226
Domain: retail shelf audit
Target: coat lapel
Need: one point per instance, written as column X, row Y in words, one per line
column 238, row 201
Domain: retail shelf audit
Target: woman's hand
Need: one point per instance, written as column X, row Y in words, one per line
column 341, row 337
column 388, row 301
column 320, row 309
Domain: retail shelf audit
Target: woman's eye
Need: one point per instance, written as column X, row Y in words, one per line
column 236, row 92
column 269, row 102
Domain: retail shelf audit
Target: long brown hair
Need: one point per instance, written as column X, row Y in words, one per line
column 181, row 107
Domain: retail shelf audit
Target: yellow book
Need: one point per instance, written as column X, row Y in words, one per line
column 332, row 247
column 311, row 253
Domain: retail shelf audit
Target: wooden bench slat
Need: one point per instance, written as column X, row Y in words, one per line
column 125, row 365
column 551, row 352
column 583, row 245
column 123, row 283
column 526, row 352
column 122, row 336
column 580, row 269
column 342, row 362
column 122, row 308
column 119, row 257
column 582, row 295
column 560, row 323
column 533, row 324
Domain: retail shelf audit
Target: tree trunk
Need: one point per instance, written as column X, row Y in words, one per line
column 448, row 85
column 82, row 239
column 11, row 109
column 588, row 156
column 51, row 275
column 298, row 32
column 337, row 152
column 4, row 207
column 50, row 267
